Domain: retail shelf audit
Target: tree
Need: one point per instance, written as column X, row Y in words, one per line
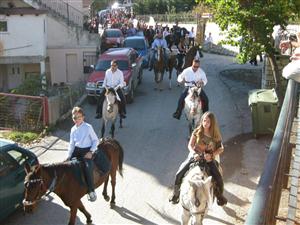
column 254, row 21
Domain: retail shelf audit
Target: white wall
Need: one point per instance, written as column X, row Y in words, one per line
column 26, row 35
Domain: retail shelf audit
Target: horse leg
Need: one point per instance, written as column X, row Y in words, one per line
column 170, row 77
column 112, row 129
column 72, row 215
column 104, row 192
column 113, row 185
column 161, row 81
column 121, row 124
column 85, row 212
column 185, row 217
column 103, row 129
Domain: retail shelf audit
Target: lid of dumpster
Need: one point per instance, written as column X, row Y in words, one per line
column 263, row 96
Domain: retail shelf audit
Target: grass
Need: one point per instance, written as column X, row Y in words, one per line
column 20, row 137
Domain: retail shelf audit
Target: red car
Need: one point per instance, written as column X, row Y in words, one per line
column 129, row 62
column 111, row 37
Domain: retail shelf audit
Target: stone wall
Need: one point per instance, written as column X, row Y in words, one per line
column 267, row 80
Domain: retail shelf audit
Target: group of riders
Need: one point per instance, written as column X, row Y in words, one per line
column 205, row 141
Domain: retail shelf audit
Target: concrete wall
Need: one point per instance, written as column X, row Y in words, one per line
column 267, row 75
column 3, row 78
column 26, row 35
column 54, row 109
column 66, row 64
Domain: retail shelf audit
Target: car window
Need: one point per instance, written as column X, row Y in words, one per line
column 18, row 156
column 6, row 165
column 103, row 65
column 137, row 44
column 113, row 33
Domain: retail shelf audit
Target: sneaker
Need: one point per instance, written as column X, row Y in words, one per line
column 98, row 116
column 150, row 69
column 176, row 115
column 92, row 196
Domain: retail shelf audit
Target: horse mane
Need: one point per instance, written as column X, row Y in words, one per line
column 110, row 90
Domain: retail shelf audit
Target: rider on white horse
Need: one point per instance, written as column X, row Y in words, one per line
column 113, row 79
column 159, row 41
column 190, row 76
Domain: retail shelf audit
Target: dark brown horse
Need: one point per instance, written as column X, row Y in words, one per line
column 172, row 64
column 192, row 53
column 61, row 179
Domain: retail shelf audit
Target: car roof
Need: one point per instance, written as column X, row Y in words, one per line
column 116, row 52
column 4, row 143
column 135, row 37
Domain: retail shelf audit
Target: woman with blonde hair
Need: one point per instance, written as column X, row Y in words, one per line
column 205, row 143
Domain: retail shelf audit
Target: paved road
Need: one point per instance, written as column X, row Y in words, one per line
column 154, row 145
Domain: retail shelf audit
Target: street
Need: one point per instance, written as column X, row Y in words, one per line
column 154, row 145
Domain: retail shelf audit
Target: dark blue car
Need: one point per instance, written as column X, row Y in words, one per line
column 12, row 174
column 140, row 44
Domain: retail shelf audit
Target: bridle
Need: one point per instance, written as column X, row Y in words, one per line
column 197, row 204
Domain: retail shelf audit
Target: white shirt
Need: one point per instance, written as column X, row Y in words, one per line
column 159, row 42
column 82, row 136
column 190, row 76
column 113, row 79
column 191, row 34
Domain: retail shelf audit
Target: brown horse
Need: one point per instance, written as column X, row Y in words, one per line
column 193, row 52
column 172, row 64
column 61, row 179
column 159, row 68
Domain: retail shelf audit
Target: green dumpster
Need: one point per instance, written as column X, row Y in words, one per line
column 264, row 110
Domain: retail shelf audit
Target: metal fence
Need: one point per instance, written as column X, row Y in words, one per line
column 170, row 18
column 264, row 208
column 22, row 112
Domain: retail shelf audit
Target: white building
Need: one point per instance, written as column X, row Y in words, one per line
column 43, row 37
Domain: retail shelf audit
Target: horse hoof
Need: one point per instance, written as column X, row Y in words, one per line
column 112, row 205
column 161, row 89
column 89, row 221
column 106, row 198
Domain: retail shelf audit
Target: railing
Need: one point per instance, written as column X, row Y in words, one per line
column 63, row 9
column 266, row 200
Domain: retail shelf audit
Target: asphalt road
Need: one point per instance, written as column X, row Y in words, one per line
column 155, row 144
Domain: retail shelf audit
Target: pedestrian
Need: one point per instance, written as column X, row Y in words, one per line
column 209, row 41
column 205, row 143
column 191, row 76
column 191, row 37
column 114, row 78
column 83, row 142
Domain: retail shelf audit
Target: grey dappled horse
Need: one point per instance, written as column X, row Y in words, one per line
column 196, row 196
column 110, row 111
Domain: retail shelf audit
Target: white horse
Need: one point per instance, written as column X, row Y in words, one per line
column 110, row 111
column 193, row 107
column 196, row 196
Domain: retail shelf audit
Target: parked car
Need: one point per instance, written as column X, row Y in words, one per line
column 12, row 174
column 110, row 38
column 129, row 63
column 140, row 44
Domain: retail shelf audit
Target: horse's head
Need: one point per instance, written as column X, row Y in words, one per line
column 193, row 99
column 196, row 195
column 110, row 99
column 34, row 187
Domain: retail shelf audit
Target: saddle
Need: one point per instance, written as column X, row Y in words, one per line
column 99, row 160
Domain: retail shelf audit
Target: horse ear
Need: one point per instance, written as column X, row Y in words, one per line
column 27, row 167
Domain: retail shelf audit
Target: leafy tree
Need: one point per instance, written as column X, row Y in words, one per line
column 254, row 22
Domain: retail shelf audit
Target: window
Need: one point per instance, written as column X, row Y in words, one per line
column 18, row 156
column 6, row 165
column 3, row 26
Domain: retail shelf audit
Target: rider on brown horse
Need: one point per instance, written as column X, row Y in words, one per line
column 83, row 142
column 189, row 77
column 159, row 41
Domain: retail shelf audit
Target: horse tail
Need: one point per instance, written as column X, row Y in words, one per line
column 121, row 157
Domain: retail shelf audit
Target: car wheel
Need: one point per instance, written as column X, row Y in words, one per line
column 91, row 100
column 129, row 96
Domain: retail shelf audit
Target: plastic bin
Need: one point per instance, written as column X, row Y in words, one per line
column 264, row 110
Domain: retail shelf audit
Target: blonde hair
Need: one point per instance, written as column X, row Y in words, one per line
column 214, row 127
column 77, row 109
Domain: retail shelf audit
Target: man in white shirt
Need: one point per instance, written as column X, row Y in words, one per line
column 114, row 78
column 189, row 77
column 83, row 142
column 159, row 41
